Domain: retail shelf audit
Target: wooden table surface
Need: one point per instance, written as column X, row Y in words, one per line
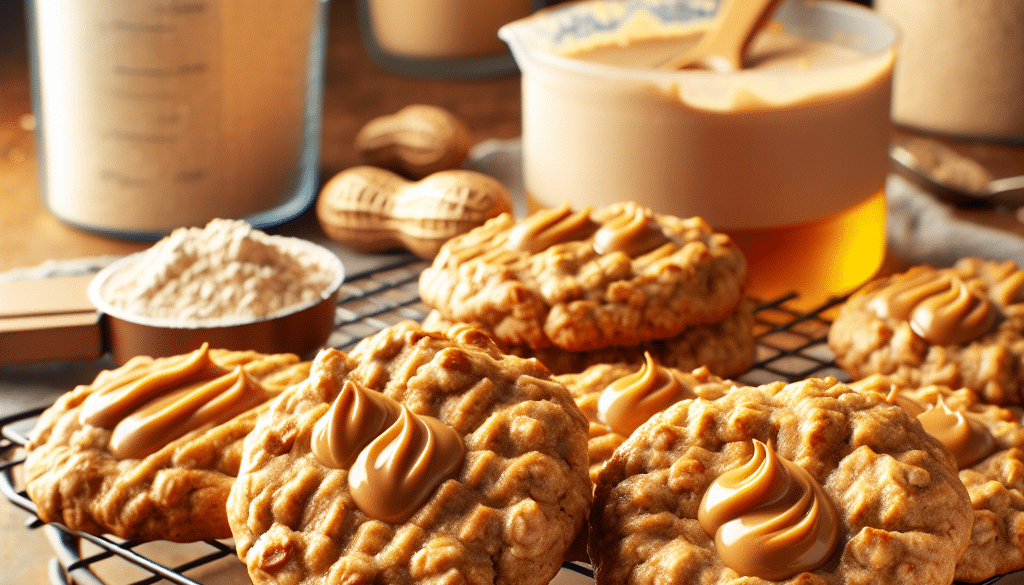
column 356, row 90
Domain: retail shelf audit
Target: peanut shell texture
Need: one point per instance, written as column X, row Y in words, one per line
column 416, row 141
column 371, row 209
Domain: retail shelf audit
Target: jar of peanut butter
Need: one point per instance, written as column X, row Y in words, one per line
column 787, row 156
column 961, row 67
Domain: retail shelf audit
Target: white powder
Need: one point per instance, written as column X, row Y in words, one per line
column 224, row 270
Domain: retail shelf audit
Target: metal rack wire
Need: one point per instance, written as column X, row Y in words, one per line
column 791, row 346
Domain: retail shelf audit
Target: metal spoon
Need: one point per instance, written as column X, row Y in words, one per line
column 951, row 175
column 722, row 46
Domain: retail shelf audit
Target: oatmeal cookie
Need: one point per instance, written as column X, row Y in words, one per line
column 340, row 484
column 987, row 442
column 808, row 482
column 961, row 327
column 149, row 450
column 725, row 347
column 585, row 280
column 617, row 398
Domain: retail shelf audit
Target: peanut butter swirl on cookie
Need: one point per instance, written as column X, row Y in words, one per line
column 942, row 309
column 632, row 233
column 149, row 450
column 961, row 326
column 769, row 517
column 629, row 401
column 395, row 457
column 183, row 410
column 549, row 227
column 356, row 417
column 122, row 395
column 967, row 439
column 148, row 412
column 401, row 468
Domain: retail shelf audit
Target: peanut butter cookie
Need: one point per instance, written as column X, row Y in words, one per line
column 987, row 442
column 416, row 458
column 961, row 327
column 585, row 280
column 149, row 450
column 811, row 482
column 617, row 398
column 726, row 347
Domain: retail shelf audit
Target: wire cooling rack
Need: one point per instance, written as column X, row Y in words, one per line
column 791, row 346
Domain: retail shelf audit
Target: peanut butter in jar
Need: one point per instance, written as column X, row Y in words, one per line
column 787, row 156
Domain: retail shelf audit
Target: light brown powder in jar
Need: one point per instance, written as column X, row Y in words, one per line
column 225, row 270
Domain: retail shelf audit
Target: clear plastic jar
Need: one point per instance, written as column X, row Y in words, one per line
column 153, row 115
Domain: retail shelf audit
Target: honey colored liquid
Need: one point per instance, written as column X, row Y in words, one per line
column 817, row 260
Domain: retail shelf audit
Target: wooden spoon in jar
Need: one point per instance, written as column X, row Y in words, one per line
column 721, row 48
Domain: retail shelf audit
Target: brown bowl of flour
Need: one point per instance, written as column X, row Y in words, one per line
column 227, row 285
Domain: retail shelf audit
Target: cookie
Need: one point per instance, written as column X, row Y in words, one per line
column 415, row 458
column 725, row 347
column 617, row 398
column 961, row 327
column 808, row 482
column 987, row 442
column 149, row 450
column 585, row 280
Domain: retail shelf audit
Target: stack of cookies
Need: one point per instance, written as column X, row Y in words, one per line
column 576, row 288
column 947, row 344
column 425, row 456
column 416, row 457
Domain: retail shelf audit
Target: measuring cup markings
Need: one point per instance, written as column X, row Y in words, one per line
column 160, row 113
column 151, row 80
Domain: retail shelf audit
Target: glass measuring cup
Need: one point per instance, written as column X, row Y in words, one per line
column 789, row 162
column 157, row 114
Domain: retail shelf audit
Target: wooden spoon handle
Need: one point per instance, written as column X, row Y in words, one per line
column 722, row 46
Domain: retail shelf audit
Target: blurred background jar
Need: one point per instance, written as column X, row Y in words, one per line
column 448, row 39
column 961, row 67
column 153, row 115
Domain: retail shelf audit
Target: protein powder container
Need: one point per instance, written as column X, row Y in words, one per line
column 961, row 67
column 153, row 115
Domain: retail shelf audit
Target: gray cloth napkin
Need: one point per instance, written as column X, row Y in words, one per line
column 922, row 230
